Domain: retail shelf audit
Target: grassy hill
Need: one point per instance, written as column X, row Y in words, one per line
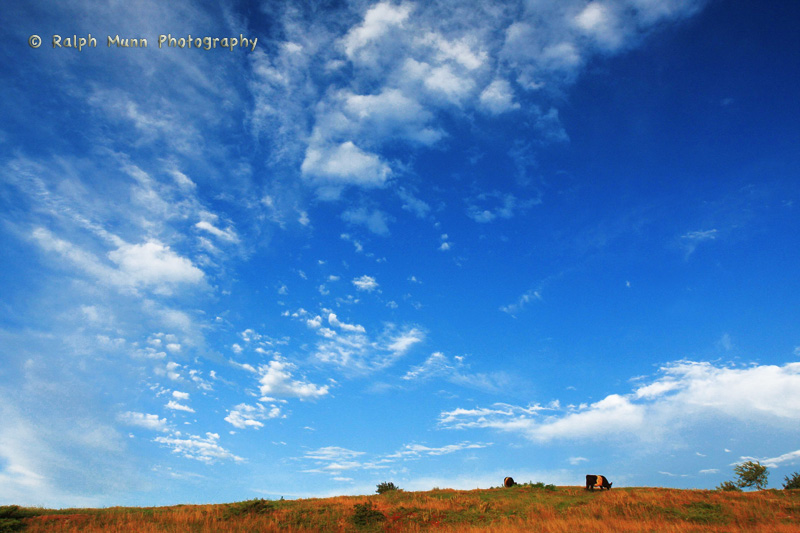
column 521, row 508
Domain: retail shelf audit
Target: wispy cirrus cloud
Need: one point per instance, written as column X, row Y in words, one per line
column 334, row 460
column 456, row 371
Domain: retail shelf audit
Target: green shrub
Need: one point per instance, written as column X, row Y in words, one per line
column 386, row 486
column 729, row 486
column 792, row 482
column 11, row 517
column 256, row 506
column 365, row 516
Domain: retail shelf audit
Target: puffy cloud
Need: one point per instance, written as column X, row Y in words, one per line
column 365, row 283
column 245, row 416
column 599, row 21
column 276, row 380
column 333, row 166
column 378, row 21
column 388, row 114
column 498, row 97
column 153, row 263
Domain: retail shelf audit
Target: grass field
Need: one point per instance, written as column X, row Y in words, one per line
column 520, row 508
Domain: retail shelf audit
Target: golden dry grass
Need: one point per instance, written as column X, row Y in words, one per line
column 566, row 509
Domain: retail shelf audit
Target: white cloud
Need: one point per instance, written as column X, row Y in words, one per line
column 498, row 97
column 355, row 352
column 276, row 380
column 175, row 406
column 335, row 322
column 228, row 234
column 388, row 114
column 365, row 283
column 245, row 416
column 685, row 393
column 416, row 450
column 599, row 21
column 774, row 462
column 153, row 263
column 331, row 167
column 403, row 341
column 459, row 51
column 180, row 395
column 205, row 449
column 378, row 21
column 143, row 420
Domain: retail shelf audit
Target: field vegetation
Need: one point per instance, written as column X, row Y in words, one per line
column 527, row 507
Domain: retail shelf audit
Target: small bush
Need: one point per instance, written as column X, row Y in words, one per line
column 256, row 506
column 386, row 486
column 792, row 482
column 11, row 517
column 366, row 516
column 729, row 486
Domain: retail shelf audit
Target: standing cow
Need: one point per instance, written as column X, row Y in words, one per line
column 600, row 482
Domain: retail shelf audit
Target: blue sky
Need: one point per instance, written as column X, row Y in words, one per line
column 422, row 242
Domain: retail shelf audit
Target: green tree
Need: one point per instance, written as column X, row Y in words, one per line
column 792, row 482
column 751, row 474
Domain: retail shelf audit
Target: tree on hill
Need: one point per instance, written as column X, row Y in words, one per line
column 792, row 482
column 386, row 486
column 751, row 474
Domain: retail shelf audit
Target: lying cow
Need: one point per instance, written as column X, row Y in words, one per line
column 601, row 482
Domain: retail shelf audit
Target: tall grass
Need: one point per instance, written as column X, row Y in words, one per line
column 522, row 508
